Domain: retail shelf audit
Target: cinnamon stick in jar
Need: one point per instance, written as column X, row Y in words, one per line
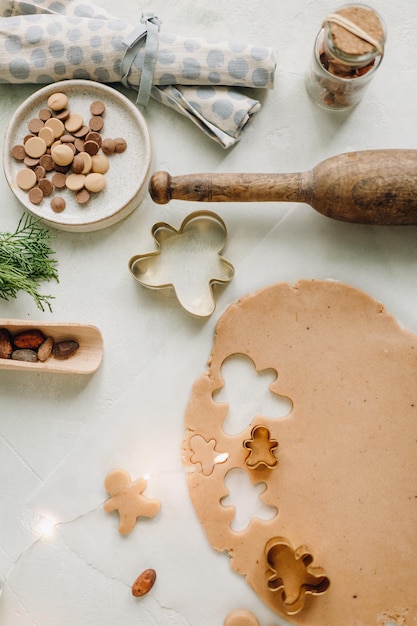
column 348, row 50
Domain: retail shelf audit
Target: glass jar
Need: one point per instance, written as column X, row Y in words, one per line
column 348, row 50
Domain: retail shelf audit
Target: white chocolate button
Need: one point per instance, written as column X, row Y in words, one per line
column 26, row 179
column 87, row 162
column 75, row 182
column 95, row 182
column 74, row 122
column 62, row 154
column 35, row 147
column 57, row 126
column 100, row 163
column 47, row 134
column 57, row 101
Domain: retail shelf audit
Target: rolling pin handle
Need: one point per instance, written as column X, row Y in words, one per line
column 160, row 187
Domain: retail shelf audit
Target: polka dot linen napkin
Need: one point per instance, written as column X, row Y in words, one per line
column 44, row 41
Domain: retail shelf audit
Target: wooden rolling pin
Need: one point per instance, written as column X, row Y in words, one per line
column 366, row 187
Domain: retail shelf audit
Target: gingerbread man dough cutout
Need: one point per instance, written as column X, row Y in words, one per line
column 127, row 498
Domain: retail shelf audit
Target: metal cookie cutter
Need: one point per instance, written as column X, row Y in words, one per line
column 187, row 260
column 260, row 449
column 292, row 575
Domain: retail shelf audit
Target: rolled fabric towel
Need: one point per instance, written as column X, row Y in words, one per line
column 204, row 80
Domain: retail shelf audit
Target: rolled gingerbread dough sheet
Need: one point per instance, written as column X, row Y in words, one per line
column 340, row 468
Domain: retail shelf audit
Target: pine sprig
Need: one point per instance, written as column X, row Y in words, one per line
column 26, row 260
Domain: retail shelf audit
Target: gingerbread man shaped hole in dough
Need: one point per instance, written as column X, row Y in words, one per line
column 248, row 392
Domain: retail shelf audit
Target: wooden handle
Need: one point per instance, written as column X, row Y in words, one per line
column 368, row 187
column 230, row 187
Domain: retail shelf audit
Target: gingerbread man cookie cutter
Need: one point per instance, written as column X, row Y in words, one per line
column 260, row 449
column 187, row 260
column 291, row 574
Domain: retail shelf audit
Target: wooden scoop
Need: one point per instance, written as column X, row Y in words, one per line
column 85, row 361
column 367, row 187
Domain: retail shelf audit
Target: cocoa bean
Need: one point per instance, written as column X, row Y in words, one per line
column 6, row 347
column 45, row 349
column 65, row 349
column 144, row 583
column 24, row 354
column 31, row 339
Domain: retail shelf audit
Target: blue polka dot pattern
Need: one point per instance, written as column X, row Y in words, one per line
column 13, row 44
column 19, row 68
column 166, row 57
column 33, row 34
column 223, row 108
column 42, row 41
column 38, row 58
column 75, row 55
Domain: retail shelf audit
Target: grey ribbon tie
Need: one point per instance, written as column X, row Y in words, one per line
column 147, row 35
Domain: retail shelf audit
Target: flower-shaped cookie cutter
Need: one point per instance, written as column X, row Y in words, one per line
column 188, row 260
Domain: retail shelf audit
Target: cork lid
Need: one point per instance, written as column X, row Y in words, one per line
column 356, row 30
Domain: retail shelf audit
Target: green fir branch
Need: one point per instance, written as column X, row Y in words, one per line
column 26, row 259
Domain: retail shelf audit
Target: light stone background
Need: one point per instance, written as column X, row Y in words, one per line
column 59, row 435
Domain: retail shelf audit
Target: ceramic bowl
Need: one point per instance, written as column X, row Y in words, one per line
column 126, row 179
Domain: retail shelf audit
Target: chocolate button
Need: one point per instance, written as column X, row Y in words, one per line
column 96, row 123
column 120, row 145
column 97, row 107
column 35, row 195
column 82, row 196
column 30, row 162
column 44, row 114
column 67, row 139
column 35, row 125
column 40, row 172
column 63, row 169
column 82, row 132
column 79, row 144
column 77, row 164
column 91, row 147
column 94, row 136
column 108, row 146
column 18, row 152
column 58, row 204
column 46, row 186
column 63, row 115
column 47, row 162
column 59, row 180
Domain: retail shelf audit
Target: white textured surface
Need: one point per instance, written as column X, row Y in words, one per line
column 60, row 436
